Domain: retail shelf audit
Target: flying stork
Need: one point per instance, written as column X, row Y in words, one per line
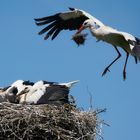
column 77, row 19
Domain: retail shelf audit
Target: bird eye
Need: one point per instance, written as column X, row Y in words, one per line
column 85, row 23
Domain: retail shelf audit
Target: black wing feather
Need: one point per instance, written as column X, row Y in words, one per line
column 56, row 33
column 44, row 22
column 55, row 24
column 52, row 30
column 137, row 40
column 47, row 28
column 47, row 18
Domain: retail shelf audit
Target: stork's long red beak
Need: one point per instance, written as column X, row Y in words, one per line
column 80, row 29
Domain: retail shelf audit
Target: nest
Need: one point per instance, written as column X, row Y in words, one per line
column 79, row 39
column 46, row 122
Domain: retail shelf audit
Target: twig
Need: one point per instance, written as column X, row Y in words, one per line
column 90, row 98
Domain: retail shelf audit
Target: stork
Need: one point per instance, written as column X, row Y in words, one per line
column 43, row 92
column 77, row 19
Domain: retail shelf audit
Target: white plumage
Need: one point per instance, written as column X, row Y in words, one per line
column 69, row 84
column 34, row 94
column 18, row 88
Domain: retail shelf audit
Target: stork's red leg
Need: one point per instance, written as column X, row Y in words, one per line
column 124, row 70
column 107, row 68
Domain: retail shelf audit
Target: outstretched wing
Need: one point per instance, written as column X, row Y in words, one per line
column 71, row 20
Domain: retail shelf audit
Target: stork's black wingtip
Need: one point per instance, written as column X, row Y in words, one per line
column 72, row 9
column 46, row 37
column 36, row 23
column 40, row 33
column 35, row 19
column 52, row 38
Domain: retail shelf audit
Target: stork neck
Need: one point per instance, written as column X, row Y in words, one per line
column 94, row 31
column 94, row 28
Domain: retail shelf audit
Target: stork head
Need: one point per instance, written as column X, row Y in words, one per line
column 89, row 23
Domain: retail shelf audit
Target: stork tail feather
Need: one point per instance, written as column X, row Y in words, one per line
column 136, row 49
column 69, row 84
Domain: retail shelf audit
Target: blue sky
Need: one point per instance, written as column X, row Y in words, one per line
column 25, row 55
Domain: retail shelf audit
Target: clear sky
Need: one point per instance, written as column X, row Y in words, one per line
column 25, row 55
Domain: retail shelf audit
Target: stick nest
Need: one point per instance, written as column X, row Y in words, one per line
column 79, row 39
column 46, row 122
